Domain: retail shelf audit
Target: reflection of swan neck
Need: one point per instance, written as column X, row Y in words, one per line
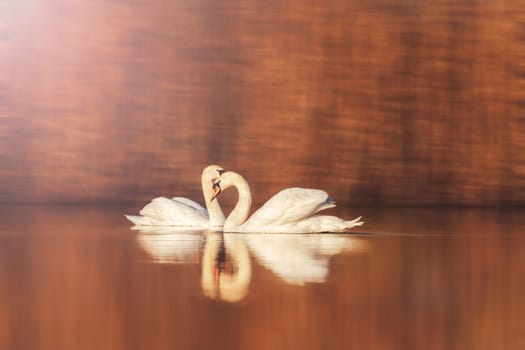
column 215, row 213
column 241, row 211
column 231, row 286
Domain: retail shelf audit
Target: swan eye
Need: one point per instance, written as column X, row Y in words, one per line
column 221, row 171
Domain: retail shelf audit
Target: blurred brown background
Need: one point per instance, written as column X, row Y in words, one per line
column 378, row 102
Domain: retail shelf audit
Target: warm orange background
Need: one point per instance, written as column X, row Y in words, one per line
column 378, row 102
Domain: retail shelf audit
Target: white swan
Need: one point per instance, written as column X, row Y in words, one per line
column 184, row 212
column 293, row 210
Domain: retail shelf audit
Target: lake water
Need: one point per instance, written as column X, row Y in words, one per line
column 74, row 277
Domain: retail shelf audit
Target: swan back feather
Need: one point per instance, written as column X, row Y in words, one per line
column 165, row 211
column 289, row 206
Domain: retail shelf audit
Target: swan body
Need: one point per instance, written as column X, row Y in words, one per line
column 184, row 212
column 292, row 210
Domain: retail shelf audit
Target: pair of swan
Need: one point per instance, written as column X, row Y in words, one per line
column 293, row 210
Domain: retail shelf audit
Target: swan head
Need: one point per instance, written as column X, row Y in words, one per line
column 225, row 180
column 212, row 172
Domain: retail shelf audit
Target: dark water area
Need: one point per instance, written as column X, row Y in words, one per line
column 74, row 277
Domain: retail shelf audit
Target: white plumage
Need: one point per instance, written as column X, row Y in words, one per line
column 293, row 210
column 184, row 212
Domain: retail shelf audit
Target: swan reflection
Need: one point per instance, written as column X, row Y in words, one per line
column 165, row 245
column 226, row 267
column 297, row 258
column 226, row 261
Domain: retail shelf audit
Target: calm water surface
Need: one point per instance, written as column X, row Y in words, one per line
column 80, row 278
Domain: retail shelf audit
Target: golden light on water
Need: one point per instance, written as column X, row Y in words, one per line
column 79, row 278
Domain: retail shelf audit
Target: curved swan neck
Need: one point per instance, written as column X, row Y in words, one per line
column 241, row 211
column 215, row 214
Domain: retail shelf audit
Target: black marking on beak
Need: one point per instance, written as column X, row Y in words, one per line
column 216, row 189
column 221, row 171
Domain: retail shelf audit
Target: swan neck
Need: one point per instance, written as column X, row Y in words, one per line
column 241, row 210
column 215, row 214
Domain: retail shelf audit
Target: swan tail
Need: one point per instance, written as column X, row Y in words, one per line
column 140, row 220
column 353, row 223
column 133, row 218
column 326, row 223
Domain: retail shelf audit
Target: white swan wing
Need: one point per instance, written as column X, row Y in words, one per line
column 164, row 211
column 290, row 205
column 192, row 204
